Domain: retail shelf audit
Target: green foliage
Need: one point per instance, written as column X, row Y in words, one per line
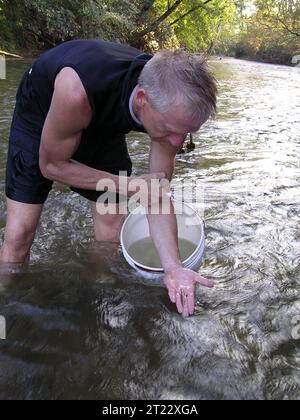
column 209, row 27
column 272, row 33
column 148, row 24
column 117, row 19
column 196, row 25
column 267, row 29
column 45, row 23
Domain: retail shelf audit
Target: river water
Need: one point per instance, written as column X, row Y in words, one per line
column 81, row 324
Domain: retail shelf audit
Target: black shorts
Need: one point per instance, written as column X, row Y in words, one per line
column 25, row 182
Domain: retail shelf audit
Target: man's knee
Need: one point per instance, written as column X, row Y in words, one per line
column 17, row 245
column 108, row 228
column 19, row 236
column 22, row 221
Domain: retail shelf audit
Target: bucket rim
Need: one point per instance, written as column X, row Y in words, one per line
column 161, row 270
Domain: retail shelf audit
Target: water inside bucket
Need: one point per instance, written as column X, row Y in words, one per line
column 144, row 252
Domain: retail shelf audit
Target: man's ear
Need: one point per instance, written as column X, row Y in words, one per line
column 141, row 97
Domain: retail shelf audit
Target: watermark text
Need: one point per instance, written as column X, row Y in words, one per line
column 151, row 196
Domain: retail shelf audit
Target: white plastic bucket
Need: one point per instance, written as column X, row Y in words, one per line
column 190, row 227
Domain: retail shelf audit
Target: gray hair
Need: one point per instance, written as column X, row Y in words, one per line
column 180, row 78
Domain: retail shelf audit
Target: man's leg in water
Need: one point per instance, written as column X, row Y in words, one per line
column 21, row 225
column 108, row 227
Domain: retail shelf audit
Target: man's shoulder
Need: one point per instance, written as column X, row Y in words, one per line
column 69, row 84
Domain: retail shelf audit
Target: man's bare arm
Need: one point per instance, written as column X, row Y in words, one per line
column 70, row 113
column 179, row 281
column 163, row 227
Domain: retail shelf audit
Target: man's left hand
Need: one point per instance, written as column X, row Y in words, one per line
column 180, row 283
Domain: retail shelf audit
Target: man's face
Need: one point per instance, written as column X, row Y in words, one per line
column 170, row 127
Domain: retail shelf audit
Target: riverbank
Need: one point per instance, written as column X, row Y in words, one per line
column 9, row 55
column 17, row 53
column 33, row 54
column 251, row 59
column 264, row 61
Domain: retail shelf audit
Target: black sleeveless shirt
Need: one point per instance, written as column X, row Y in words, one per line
column 109, row 73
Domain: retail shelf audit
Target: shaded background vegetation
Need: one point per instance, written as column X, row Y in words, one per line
column 263, row 29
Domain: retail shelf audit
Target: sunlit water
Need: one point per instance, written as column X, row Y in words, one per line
column 82, row 324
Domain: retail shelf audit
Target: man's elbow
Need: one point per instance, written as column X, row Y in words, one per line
column 49, row 170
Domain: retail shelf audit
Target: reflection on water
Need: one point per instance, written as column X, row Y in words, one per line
column 82, row 324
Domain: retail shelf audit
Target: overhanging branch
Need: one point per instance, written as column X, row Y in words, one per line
column 161, row 19
column 285, row 26
column 194, row 9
